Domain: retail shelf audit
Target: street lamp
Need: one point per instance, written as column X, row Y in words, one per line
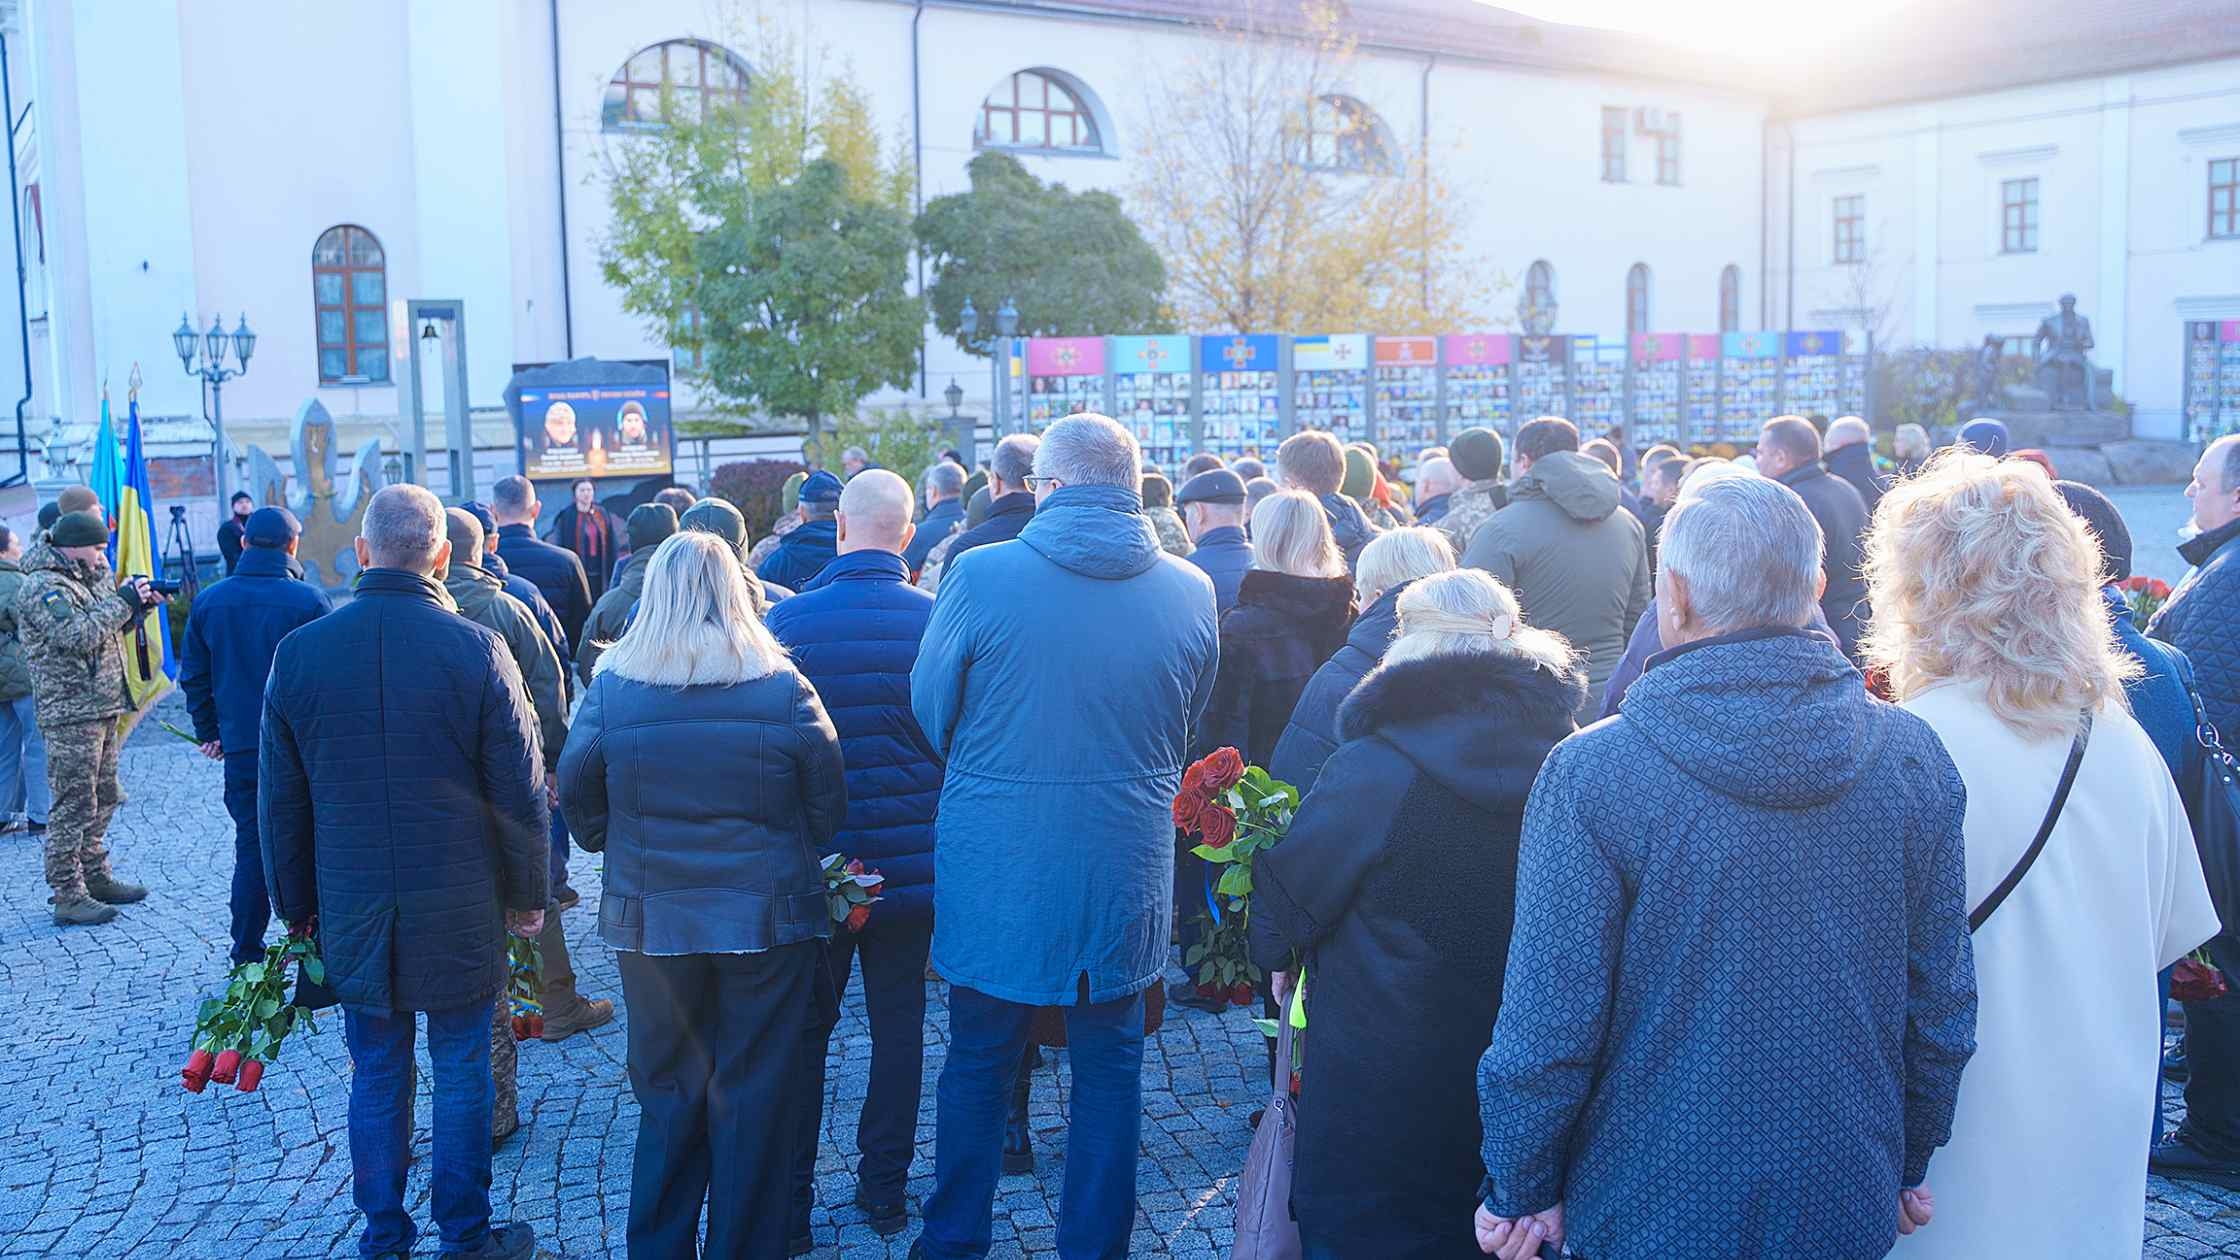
column 998, row 348
column 212, row 370
column 955, row 396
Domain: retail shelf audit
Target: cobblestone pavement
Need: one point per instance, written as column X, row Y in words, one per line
column 101, row 1153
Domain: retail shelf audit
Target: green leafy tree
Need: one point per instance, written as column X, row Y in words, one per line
column 772, row 238
column 1074, row 262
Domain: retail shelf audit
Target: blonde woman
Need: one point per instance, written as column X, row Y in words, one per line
column 705, row 768
column 1989, row 620
column 1442, row 743
column 1292, row 611
column 1388, row 565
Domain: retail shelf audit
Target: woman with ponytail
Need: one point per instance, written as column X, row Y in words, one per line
column 1395, row 887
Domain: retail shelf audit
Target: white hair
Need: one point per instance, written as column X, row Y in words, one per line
column 1749, row 551
column 696, row 623
column 1014, row 458
column 403, row 528
column 1469, row 610
column 1911, row 441
column 1436, row 476
column 1090, row 450
column 1709, row 470
column 1401, row 555
column 1847, row 431
column 1291, row 534
column 945, row 479
column 877, row 503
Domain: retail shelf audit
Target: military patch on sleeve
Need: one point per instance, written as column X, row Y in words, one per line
column 57, row 603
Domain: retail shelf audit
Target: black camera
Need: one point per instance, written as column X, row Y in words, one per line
column 162, row 586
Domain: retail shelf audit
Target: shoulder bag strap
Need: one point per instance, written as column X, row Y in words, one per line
column 2045, row 829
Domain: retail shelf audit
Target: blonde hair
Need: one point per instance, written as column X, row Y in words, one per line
column 1978, row 572
column 1401, row 555
column 1291, row 534
column 696, row 623
column 1468, row 610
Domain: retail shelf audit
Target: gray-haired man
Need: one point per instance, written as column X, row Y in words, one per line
column 944, row 499
column 1010, row 506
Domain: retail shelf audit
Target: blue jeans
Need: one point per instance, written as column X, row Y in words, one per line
column 987, row 1036
column 250, row 905
column 23, row 761
column 381, row 1125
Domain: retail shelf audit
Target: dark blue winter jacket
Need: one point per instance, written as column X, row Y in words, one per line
column 1349, row 525
column 548, row 621
column 232, row 633
column 1432, row 510
column 942, row 519
column 1006, row 517
column 854, row 634
column 556, row 571
column 2159, row 698
column 1224, row 553
column 2202, row 620
column 1312, row 733
column 400, row 796
column 802, row 554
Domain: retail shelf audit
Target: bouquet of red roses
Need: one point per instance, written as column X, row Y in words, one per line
column 1235, row 811
column 2143, row 596
column 849, row 888
column 237, row 1033
column 2195, row 979
column 525, row 986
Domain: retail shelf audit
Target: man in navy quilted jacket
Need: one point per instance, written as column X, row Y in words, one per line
column 854, row 632
column 401, row 799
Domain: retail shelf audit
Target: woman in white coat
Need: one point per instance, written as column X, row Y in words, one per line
column 1988, row 616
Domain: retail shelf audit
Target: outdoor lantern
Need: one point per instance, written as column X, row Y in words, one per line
column 244, row 341
column 968, row 320
column 184, row 342
column 214, row 342
column 955, row 395
column 1007, row 319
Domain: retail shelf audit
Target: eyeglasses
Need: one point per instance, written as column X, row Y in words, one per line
column 1035, row 484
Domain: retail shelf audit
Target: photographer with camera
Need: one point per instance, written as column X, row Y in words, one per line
column 232, row 633
column 70, row 620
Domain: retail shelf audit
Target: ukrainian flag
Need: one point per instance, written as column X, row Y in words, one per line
column 107, row 476
column 150, row 665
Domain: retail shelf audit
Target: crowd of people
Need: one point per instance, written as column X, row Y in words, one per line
column 1696, row 856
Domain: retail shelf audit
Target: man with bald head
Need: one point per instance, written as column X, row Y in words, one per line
column 854, row 633
column 1789, row 452
column 1850, row 455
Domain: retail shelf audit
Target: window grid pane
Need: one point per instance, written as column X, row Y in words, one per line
column 2224, row 198
column 1668, row 157
column 1850, row 228
column 1034, row 111
column 349, row 298
column 1613, row 145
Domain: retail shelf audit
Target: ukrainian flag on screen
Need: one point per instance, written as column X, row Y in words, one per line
column 149, row 663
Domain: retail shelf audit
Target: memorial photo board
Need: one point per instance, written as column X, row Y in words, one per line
column 1542, row 377
column 1659, row 369
column 1065, row 375
column 1407, row 411
column 1702, row 416
column 1240, row 402
column 1598, row 385
column 2212, row 378
column 1813, row 374
column 1330, row 384
column 1151, row 395
column 1749, row 384
column 1477, row 382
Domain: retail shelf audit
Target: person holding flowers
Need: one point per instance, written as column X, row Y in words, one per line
column 1425, row 796
column 703, row 765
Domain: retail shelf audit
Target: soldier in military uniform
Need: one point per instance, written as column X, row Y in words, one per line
column 1476, row 454
column 70, row 619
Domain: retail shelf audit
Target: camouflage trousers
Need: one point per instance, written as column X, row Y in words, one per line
column 505, row 1067
column 82, row 778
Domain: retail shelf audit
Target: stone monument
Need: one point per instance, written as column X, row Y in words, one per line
column 330, row 521
column 2061, row 345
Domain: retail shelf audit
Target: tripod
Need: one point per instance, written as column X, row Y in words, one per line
column 180, row 542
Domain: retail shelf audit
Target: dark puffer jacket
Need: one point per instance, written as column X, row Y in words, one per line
column 854, row 633
column 556, row 572
column 802, row 554
column 714, row 804
column 1427, row 794
column 1311, row 734
column 2202, row 620
column 1225, row 555
column 1842, row 515
column 400, row 796
column 1281, row 630
column 1349, row 525
column 232, row 632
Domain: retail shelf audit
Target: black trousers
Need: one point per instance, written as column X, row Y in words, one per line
column 714, row 1043
column 893, row 951
column 2212, row 1120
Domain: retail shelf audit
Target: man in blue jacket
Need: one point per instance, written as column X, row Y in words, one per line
column 1212, row 504
column 402, row 804
column 944, row 490
column 803, row 554
column 1010, row 506
column 1060, row 679
column 854, row 633
column 555, row 570
column 232, row 632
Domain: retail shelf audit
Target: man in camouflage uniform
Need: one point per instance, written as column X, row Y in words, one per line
column 1476, row 455
column 70, row 620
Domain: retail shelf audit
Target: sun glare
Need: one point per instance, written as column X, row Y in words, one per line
column 1751, row 27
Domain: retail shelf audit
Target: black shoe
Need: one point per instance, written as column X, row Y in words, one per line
column 567, row 898
column 513, row 1241
column 2174, row 1067
column 1186, row 994
column 2179, row 1160
column 889, row 1212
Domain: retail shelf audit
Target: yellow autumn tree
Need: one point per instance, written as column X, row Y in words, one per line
column 1279, row 206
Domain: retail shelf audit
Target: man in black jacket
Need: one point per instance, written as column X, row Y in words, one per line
column 555, row 570
column 1850, row 446
column 230, row 533
column 1789, row 452
column 401, row 797
column 232, row 632
column 1010, row 506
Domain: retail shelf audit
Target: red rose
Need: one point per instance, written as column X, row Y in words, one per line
column 2195, row 981
column 1224, row 770
column 536, row 1025
column 1240, row 994
column 857, row 917
column 196, row 1073
column 520, row 1028
column 1294, row 1082
column 228, row 1063
column 855, row 866
column 252, row 1071
column 1194, row 779
column 1218, row 824
column 1186, row 807
column 875, row 890
column 1210, row 992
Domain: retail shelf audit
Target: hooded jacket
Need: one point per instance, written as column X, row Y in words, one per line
column 1741, row 917
column 482, row 599
column 1578, row 565
column 71, row 619
column 533, row 599
column 1310, row 734
column 1061, row 677
column 802, row 554
column 1281, row 630
column 1395, row 884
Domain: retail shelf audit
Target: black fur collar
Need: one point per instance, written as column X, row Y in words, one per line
column 1462, row 682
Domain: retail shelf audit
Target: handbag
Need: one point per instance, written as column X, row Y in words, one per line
column 1265, row 1230
column 1998, row 895
column 2211, row 790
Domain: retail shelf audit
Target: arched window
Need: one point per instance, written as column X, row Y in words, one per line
column 350, row 291
column 1637, row 298
column 1730, row 298
column 1040, row 110
column 1536, row 308
column 1345, row 135
column 683, row 78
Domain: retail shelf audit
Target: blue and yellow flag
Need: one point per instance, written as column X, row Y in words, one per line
column 149, row 663
column 106, row 477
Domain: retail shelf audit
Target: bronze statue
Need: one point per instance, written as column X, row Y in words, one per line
column 1984, row 389
column 2060, row 345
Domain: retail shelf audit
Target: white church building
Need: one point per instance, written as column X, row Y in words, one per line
column 312, row 168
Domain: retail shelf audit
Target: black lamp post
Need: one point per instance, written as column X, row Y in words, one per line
column 211, row 348
column 1007, row 326
column 954, row 395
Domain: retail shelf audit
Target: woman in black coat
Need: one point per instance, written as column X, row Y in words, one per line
column 1292, row 611
column 1395, row 884
column 704, row 766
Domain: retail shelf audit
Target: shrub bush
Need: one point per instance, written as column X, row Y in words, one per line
column 753, row 486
